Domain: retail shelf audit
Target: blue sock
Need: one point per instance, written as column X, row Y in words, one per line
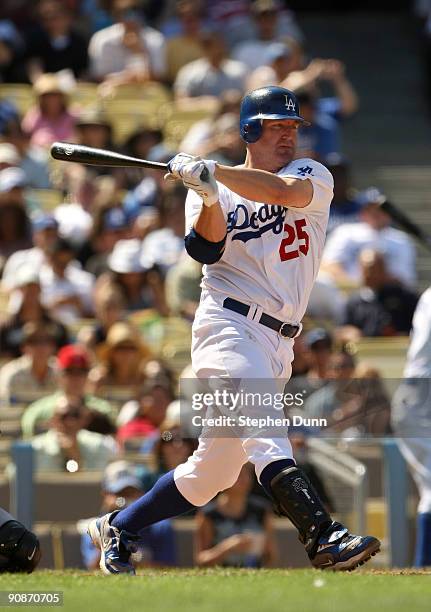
column 423, row 540
column 271, row 470
column 161, row 502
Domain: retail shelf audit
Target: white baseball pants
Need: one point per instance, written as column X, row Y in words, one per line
column 228, row 345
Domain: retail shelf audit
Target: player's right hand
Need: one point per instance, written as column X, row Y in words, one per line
column 178, row 162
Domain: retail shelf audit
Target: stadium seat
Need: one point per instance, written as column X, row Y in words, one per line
column 19, row 94
column 67, row 497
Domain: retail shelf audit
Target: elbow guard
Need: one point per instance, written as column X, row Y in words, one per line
column 203, row 250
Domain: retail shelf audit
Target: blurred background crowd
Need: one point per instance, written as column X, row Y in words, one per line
column 97, row 293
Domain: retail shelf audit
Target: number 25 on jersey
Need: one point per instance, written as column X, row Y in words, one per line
column 292, row 233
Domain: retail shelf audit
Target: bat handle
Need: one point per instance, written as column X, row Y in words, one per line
column 205, row 175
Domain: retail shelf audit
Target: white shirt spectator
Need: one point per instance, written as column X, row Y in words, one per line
column 200, row 78
column 326, row 300
column 108, row 54
column 26, row 258
column 76, row 282
column 349, row 239
column 163, row 248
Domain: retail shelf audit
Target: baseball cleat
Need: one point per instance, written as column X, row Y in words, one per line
column 339, row 550
column 115, row 546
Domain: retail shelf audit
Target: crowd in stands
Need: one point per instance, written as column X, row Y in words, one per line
column 97, row 293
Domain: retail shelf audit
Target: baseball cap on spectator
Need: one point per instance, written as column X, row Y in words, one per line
column 8, row 113
column 118, row 476
column 93, row 116
column 140, row 199
column 114, row 219
column 10, row 36
column 276, row 51
column 73, row 356
column 12, row 178
column 264, row 6
column 160, row 153
column 126, row 257
column 9, row 154
column 318, row 335
column 370, row 196
column 42, row 221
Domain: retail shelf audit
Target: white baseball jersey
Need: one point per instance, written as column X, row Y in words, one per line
column 419, row 354
column 272, row 253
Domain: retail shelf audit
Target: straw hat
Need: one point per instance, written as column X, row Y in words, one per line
column 122, row 332
column 49, row 83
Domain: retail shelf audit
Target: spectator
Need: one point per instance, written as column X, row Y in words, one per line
column 109, row 308
column 15, row 231
column 66, row 289
column 183, row 287
column 138, row 144
column 55, row 44
column 352, row 406
column 325, row 114
column 122, row 357
column 109, row 226
column 73, row 364
column 44, row 234
column 32, row 160
column 50, row 119
column 318, row 345
column 226, row 146
column 140, row 287
column 120, row 487
column 280, row 60
column 186, row 46
column 326, row 301
column 153, row 400
column 236, row 529
column 68, row 446
column 11, row 54
column 128, row 51
column 340, row 257
column 34, row 373
column 168, row 447
column 163, row 247
column 266, row 15
column 25, row 307
column 345, row 206
column 213, row 74
column 94, row 130
column 380, row 307
column 12, row 184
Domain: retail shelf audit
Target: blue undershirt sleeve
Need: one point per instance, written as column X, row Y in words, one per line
column 203, row 250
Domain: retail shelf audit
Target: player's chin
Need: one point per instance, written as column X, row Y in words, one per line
column 285, row 154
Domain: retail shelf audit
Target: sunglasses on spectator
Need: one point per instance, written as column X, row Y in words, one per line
column 40, row 340
column 76, row 371
column 125, row 347
column 73, row 414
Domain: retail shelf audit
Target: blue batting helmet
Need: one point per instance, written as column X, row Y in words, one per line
column 266, row 103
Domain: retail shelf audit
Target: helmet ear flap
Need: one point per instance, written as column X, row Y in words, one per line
column 252, row 130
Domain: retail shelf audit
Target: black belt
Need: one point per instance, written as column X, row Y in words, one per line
column 286, row 330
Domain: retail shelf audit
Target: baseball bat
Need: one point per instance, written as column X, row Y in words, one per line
column 405, row 223
column 67, row 151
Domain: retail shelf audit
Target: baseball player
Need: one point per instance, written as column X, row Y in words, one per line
column 411, row 420
column 19, row 548
column 259, row 228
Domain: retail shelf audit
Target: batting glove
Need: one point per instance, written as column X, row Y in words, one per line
column 199, row 176
column 178, row 162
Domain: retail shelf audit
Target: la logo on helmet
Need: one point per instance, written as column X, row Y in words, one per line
column 290, row 104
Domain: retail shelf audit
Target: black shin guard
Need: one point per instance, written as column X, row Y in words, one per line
column 296, row 498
